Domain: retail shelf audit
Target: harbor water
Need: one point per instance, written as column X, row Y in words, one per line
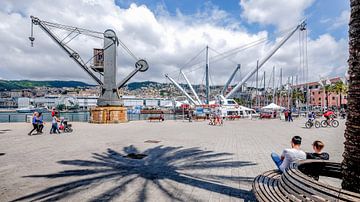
column 6, row 117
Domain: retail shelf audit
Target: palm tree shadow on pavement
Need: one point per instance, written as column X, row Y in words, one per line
column 161, row 166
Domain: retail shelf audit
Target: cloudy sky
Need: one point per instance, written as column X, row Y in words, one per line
column 169, row 33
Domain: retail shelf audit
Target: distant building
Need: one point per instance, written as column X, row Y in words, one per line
column 23, row 102
column 318, row 96
column 8, row 103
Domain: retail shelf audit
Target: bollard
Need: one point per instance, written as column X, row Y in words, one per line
column 9, row 118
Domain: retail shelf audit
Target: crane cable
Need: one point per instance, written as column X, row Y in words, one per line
column 87, row 32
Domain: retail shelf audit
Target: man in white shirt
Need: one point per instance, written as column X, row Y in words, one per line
column 289, row 155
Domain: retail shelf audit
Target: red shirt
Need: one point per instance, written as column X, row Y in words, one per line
column 328, row 113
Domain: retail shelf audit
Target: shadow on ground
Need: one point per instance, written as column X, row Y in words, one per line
column 161, row 166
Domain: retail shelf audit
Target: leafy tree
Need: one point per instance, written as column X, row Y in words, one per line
column 60, row 107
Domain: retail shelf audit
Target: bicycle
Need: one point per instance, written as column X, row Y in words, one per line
column 332, row 122
column 310, row 123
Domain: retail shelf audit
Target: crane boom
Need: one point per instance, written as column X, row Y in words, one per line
column 300, row 26
column 74, row 55
column 223, row 91
column 181, row 89
column 191, row 87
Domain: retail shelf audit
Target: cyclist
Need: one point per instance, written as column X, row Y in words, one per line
column 327, row 115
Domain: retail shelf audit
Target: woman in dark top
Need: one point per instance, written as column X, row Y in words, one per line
column 317, row 146
column 317, row 169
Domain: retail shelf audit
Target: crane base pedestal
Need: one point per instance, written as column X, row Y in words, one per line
column 108, row 114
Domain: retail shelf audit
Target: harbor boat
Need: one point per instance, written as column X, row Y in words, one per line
column 31, row 109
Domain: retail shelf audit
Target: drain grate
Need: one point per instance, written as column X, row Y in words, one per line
column 135, row 156
column 152, row 141
column 1, row 154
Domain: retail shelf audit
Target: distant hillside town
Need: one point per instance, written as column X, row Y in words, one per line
column 73, row 95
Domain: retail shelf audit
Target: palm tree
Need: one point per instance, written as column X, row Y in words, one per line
column 298, row 97
column 340, row 88
column 328, row 90
column 351, row 161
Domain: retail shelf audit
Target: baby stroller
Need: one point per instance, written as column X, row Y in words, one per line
column 65, row 126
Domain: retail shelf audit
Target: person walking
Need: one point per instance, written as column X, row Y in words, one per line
column 34, row 123
column 40, row 122
column 290, row 116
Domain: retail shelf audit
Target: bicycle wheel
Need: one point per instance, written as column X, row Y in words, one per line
column 334, row 123
column 324, row 123
column 317, row 124
column 308, row 124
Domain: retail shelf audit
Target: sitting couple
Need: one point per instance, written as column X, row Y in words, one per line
column 295, row 153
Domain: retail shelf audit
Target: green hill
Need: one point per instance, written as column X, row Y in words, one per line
column 26, row 84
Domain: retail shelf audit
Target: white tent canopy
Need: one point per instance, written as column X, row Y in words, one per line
column 245, row 108
column 273, row 107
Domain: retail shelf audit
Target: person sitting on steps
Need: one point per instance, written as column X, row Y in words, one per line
column 289, row 155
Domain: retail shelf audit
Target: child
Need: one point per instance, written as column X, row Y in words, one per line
column 54, row 126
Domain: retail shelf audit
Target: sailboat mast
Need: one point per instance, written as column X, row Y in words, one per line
column 273, row 80
column 207, row 75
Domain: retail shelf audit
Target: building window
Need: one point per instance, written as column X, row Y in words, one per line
column 319, row 98
column 345, row 97
column 313, row 93
column 313, row 99
column 319, row 92
column 333, row 98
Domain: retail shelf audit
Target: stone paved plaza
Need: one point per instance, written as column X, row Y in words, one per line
column 192, row 161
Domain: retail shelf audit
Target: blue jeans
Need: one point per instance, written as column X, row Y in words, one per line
column 277, row 160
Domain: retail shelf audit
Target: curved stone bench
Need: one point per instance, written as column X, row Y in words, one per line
column 297, row 183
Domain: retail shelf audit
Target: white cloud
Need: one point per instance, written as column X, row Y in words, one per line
column 167, row 42
column 341, row 21
column 281, row 13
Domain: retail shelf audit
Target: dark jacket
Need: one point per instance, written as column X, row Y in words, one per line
column 321, row 156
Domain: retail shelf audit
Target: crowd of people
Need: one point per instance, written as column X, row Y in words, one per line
column 38, row 123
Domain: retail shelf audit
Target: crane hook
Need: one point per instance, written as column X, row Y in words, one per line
column 32, row 38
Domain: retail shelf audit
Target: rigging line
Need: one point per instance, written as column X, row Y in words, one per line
column 61, row 26
column 188, row 62
column 303, row 54
column 200, row 64
column 79, row 29
column 257, row 42
column 69, row 34
column 241, row 48
column 300, row 56
column 127, row 50
column 217, row 58
column 220, row 54
column 270, row 79
column 306, row 57
column 77, row 34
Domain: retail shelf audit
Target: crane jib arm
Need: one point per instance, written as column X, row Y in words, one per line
column 300, row 26
column 181, row 89
column 75, row 56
